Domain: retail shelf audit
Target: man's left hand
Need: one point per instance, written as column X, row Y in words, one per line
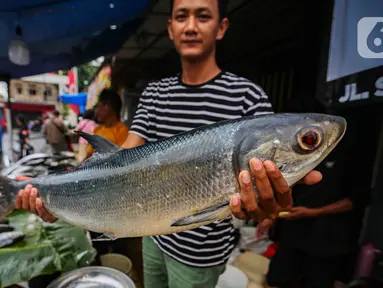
column 299, row 212
column 274, row 193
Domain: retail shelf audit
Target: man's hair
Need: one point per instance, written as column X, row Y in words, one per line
column 112, row 99
column 56, row 113
column 222, row 8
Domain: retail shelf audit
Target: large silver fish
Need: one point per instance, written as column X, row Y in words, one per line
column 181, row 182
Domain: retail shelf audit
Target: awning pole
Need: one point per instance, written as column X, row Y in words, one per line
column 9, row 120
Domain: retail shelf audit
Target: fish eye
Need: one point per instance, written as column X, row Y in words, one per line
column 309, row 139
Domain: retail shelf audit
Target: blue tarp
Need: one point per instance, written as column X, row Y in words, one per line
column 77, row 99
column 61, row 34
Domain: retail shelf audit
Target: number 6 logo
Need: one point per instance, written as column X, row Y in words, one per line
column 370, row 37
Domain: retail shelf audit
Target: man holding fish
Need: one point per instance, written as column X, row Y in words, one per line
column 201, row 94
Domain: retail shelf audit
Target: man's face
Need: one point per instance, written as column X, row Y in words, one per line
column 195, row 27
column 102, row 112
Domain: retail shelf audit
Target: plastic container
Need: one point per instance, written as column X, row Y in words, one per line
column 366, row 260
column 232, row 278
column 254, row 266
column 118, row 262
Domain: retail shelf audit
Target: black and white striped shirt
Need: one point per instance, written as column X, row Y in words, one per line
column 168, row 107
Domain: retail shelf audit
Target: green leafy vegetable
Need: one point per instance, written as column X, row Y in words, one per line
column 46, row 249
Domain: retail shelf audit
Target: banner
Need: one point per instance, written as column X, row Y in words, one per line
column 72, row 81
column 355, row 63
column 356, row 43
column 71, row 87
column 362, row 88
column 102, row 80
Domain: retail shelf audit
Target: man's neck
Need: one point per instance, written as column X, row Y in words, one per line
column 198, row 72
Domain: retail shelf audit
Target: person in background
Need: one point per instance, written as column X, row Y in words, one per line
column 24, row 140
column 55, row 131
column 108, row 112
column 314, row 236
column 87, row 125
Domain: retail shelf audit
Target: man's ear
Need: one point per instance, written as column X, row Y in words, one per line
column 223, row 26
column 170, row 32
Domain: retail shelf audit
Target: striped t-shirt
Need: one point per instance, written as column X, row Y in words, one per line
column 168, row 107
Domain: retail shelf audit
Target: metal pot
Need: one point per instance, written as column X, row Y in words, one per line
column 93, row 277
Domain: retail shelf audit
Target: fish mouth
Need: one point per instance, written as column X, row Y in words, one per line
column 337, row 125
column 341, row 124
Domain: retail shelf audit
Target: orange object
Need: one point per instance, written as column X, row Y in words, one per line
column 117, row 134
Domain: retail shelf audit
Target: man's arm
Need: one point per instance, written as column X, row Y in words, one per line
column 132, row 141
column 341, row 206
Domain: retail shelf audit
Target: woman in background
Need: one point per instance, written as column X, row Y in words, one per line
column 87, row 125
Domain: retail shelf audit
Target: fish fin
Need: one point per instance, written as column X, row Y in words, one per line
column 205, row 215
column 99, row 144
column 6, row 201
column 105, row 237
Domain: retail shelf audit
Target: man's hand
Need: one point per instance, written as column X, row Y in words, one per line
column 299, row 212
column 27, row 199
column 274, row 192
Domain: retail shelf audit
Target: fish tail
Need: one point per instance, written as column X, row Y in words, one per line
column 6, row 197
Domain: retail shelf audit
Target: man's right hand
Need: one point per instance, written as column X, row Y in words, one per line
column 27, row 199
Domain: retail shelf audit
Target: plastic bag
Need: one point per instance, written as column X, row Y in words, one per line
column 248, row 240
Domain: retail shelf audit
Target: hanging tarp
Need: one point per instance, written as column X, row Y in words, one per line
column 62, row 34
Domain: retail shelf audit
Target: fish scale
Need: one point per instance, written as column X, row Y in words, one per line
column 178, row 183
